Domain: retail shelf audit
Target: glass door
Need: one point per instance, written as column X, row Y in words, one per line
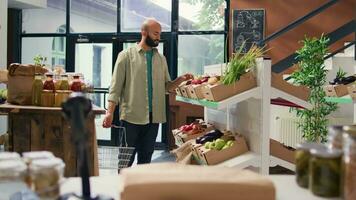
column 94, row 58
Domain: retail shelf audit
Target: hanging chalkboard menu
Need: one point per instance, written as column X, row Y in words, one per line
column 248, row 25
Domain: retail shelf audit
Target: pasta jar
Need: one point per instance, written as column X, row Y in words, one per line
column 325, row 172
column 302, row 157
column 29, row 157
column 335, row 137
column 46, row 175
column 6, row 156
column 349, row 167
column 12, row 174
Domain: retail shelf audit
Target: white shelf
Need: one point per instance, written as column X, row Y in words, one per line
column 242, row 161
column 220, row 105
column 252, row 93
column 277, row 161
column 276, row 93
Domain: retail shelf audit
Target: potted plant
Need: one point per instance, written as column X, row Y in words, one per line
column 312, row 74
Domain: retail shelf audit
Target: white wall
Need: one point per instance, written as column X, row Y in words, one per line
column 3, row 53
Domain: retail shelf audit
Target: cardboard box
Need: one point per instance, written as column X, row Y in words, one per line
column 183, row 137
column 219, row 91
column 336, row 90
column 193, row 148
column 212, row 157
column 178, row 92
column 352, row 91
column 300, row 92
column 184, row 91
column 195, row 91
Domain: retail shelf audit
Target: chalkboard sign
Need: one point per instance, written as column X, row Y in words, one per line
column 248, row 25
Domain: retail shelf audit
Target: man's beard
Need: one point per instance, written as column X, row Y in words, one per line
column 150, row 42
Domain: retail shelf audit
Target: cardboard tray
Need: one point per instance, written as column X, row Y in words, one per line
column 336, row 90
column 301, row 92
column 212, row 157
column 219, row 91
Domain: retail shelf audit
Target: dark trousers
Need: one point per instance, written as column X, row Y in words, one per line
column 143, row 138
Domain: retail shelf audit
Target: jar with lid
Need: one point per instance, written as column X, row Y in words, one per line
column 12, row 174
column 61, row 96
column 302, row 157
column 36, row 155
column 6, row 156
column 29, row 157
column 335, row 137
column 349, row 163
column 49, row 84
column 325, row 172
column 46, row 175
column 64, row 84
column 76, row 83
column 47, row 98
column 37, row 87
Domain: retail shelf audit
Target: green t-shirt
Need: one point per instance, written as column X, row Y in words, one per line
column 149, row 55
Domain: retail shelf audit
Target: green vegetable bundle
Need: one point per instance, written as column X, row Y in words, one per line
column 241, row 63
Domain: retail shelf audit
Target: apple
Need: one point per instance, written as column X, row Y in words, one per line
column 207, row 145
column 219, row 144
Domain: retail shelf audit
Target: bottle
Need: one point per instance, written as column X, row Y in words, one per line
column 64, row 84
column 37, row 87
column 76, row 84
column 49, row 84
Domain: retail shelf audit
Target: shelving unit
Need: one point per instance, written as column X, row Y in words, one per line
column 246, row 113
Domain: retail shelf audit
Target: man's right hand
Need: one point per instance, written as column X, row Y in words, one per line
column 108, row 120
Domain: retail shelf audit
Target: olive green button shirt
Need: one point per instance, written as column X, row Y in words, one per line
column 129, row 87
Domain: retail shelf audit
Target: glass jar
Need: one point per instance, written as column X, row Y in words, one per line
column 335, row 137
column 46, row 175
column 61, row 96
column 302, row 157
column 349, row 167
column 29, row 157
column 6, row 156
column 325, row 172
column 76, row 84
column 64, row 84
column 47, row 98
column 49, row 84
column 12, row 173
column 349, row 130
column 36, row 155
column 37, row 87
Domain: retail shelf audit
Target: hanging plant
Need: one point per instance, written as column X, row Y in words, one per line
column 312, row 74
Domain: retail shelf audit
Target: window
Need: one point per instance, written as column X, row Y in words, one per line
column 201, row 15
column 134, row 12
column 93, row 16
column 32, row 46
column 197, row 51
column 44, row 20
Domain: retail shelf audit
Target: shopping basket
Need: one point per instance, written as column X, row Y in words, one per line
column 116, row 157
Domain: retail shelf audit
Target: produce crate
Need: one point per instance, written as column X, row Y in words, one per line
column 301, row 92
column 195, row 91
column 336, row 90
column 184, row 91
column 352, row 91
column 212, row 157
column 182, row 137
column 178, row 92
column 219, row 91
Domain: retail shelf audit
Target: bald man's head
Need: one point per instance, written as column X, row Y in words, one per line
column 151, row 32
